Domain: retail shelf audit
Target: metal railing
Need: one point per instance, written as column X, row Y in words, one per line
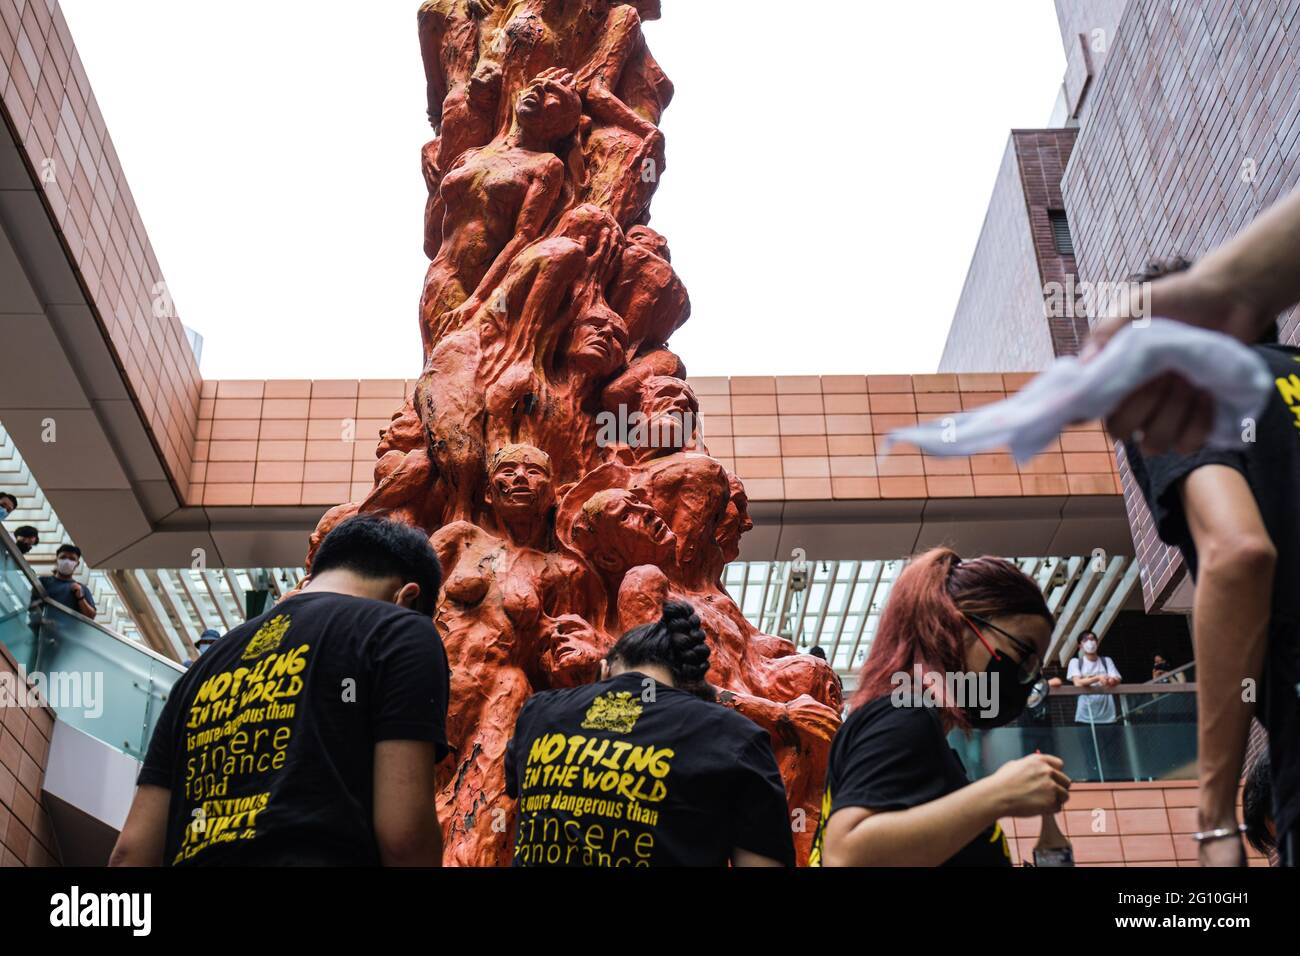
column 95, row 680
column 1152, row 735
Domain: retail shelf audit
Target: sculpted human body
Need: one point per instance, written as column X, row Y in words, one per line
column 497, row 202
column 463, row 92
column 512, row 615
column 548, row 305
column 626, row 94
column 640, row 555
column 512, row 375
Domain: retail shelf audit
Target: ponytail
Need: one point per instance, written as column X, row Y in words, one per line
column 925, row 621
column 675, row 641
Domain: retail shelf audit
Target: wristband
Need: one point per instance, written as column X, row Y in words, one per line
column 1208, row 836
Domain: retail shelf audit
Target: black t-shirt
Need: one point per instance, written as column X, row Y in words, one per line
column 1271, row 466
column 267, row 742
column 630, row 772
column 887, row 757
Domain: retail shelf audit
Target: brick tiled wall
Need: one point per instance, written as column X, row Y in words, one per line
column 26, row 837
column 1124, row 824
column 1194, row 129
column 1043, row 156
column 998, row 325
column 48, row 103
column 818, row 438
column 788, row 438
column 1001, row 322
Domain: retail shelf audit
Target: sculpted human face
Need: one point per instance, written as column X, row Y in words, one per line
column 521, row 484
column 735, row 523
column 628, row 532
column 549, row 107
column 671, row 409
column 599, row 341
column 647, row 238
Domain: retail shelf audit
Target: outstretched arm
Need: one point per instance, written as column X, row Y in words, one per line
column 932, row 833
column 1234, row 586
column 1260, row 268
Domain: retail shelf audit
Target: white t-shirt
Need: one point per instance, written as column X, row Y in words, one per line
column 1093, row 708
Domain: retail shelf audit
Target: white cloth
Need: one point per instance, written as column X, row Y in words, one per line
column 1093, row 708
column 1074, row 391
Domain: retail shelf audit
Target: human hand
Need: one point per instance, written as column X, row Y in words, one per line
column 1031, row 786
column 558, row 75
column 1170, row 413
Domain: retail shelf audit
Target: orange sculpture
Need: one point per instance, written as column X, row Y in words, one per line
column 552, row 448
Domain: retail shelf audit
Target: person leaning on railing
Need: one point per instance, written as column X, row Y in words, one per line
column 1233, row 516
column 1091, row 669
column 62, row 587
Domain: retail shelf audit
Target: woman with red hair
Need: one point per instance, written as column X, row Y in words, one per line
column 960, row 644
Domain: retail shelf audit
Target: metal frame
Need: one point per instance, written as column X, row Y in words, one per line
column 1090, row 598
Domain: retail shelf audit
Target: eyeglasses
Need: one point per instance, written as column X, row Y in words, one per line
column 1031, row 668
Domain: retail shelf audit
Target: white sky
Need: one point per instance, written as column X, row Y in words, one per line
column 830, row 163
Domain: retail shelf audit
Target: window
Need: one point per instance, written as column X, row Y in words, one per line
column 1061, row 232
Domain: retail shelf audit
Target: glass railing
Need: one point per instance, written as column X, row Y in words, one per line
column 95, row 680
column 1148, row 732
column 16, row 632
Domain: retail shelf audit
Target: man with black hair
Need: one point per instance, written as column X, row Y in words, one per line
column 1232, row 514
column 26, row 538
column 63, row 587
column 308, row 735
column 8, row 505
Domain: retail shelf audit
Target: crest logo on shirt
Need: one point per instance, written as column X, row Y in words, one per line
column 614, row 712
column 268, row 637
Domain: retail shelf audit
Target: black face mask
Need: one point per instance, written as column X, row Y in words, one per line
column 1011, row 695
column 23, row 546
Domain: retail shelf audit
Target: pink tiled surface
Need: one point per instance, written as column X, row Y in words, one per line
column 802, row 438
column 788, row 438
column 49, row 104
column 26, row 837
column 1191, row 130
column 1124, row 824
column 290, row 442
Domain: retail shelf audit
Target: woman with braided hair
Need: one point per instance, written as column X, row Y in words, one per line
column 642, row 768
